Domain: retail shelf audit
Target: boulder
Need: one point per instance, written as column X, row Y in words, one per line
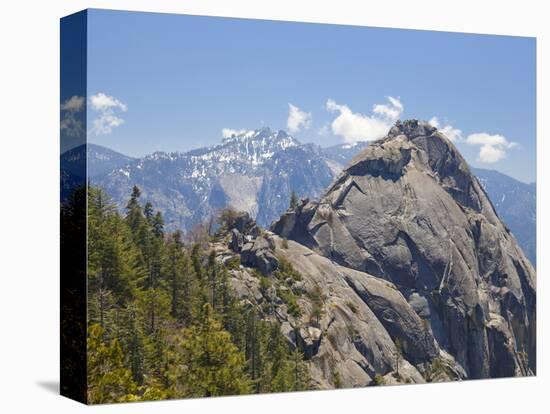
column 259, row 254
column 236, row 240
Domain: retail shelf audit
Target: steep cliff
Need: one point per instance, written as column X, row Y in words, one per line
column 408, row 229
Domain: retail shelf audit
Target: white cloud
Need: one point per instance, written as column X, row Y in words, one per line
column 391, row 111
column 71, row 123
column 73, row 104
column 101, row 102
column 105, row 123
column 297, row 119
column 229, row 132
column 492, row 147
column 107, row 119
column 454, row 134
column 352, row 126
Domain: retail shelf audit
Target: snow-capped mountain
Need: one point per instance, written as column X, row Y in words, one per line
column 254, row 171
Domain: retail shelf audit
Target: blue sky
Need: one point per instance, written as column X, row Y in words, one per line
column 172, row 83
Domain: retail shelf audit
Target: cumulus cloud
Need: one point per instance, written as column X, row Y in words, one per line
column 102, row 102
column 297, row 119
column 229, row 132
column 454, row 134
column 391, row 111
column 108, row 109
column 492, row 148
column 73, row 104
column 353, row 126
column 71, row 120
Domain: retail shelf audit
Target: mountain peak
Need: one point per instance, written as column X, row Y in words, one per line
column 257, row 134
column 409, row 211
column 411, row 128
column 414, row 144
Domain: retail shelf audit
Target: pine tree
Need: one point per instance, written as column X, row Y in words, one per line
column 317, row 304
column 158, row 225
column 210, row 363
column 212, row 270
column 141, row 281
column 108, row 379
column 132, row 340
column 174, row 271
column 302, row 377
column 134, row 214
column 148, row 212
column 153, row 308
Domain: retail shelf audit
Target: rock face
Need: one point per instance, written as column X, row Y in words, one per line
column 256, row 171
column 433, row 265
column 255, row 249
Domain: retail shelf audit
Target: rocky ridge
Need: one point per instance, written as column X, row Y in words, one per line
column 410, row 232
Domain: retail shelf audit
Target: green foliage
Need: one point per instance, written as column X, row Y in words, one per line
column 234, row 263
column 210, row 363
column 285, row 270
column 109, row 380
column 378, row 380
column 317, row 304
column 227, row 218
column 337, row 379
column 265, row 284
column 153, row 308
column 437, row 370
column 289, row 298
column 163, row 320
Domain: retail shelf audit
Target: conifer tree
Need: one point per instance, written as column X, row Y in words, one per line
column 148, row 212
column 211, row 364
column 108, row 379
column 158, row 225
column 134, row 213
column 164, row 318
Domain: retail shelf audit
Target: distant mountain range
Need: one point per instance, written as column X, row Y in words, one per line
column 256, row 172
column 516, row 204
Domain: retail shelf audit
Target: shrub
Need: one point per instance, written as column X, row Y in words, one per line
column 285, row 270
column 337, row 380
column 436, row 370
column 290, row 300
column 351, row 307
column 378, row 380
column 265, row 284
column 234, row 263
column 227, row 218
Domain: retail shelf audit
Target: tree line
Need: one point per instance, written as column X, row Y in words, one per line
column 163, row 321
